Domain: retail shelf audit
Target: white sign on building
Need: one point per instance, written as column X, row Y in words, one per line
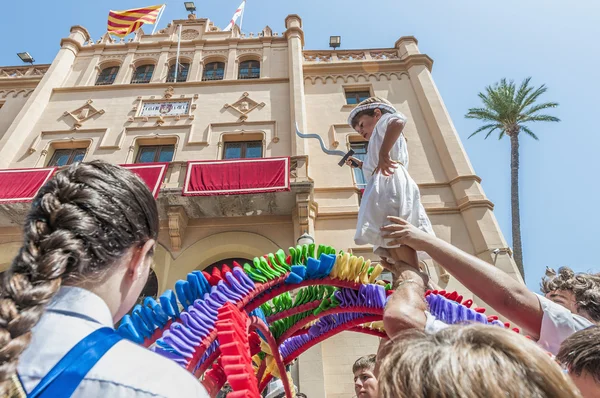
column 165, row 108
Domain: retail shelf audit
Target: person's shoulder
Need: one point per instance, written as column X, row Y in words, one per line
column 139, row 368
column 397, row 117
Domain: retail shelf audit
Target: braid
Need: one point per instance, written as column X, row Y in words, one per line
column 80, row 223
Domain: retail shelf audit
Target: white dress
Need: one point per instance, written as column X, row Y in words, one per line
column 396, row 195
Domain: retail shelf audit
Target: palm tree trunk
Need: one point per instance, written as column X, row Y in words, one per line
column 514, row 201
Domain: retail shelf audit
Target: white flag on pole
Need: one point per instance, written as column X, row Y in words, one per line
column 237, row 14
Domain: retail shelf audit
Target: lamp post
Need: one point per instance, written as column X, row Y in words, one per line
column 335, row 41
column 191, row 8
column 305, row 239
column 26, row 57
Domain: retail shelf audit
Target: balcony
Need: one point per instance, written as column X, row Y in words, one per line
column 209, row 206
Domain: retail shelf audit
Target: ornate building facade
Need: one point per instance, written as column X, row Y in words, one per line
column 232, row 100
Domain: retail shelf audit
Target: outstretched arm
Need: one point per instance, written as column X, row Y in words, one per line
column 406, row 307
column 509, row 297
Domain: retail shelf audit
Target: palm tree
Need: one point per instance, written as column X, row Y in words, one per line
column 507, row 110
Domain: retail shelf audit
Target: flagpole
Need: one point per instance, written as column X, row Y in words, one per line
column 242, row 16
column 158, row 19
column 177, row 57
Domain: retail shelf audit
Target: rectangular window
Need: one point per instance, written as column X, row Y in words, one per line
column 155, row 153
column 243, row 150
column 354, row 97
column 65, row 157
column 360, row 152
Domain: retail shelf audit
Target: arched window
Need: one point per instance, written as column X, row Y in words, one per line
column 107, row 76
column 182, row 73
column 214, row 71
column 249, row 70
column 142, row 74
column 229, row 262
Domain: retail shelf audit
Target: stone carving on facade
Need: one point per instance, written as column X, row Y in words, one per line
column 23, row 71
column 15, row 92
column 83, row 113
column 147, row 56
column 178, row 221
column 189, row 34
column 357, row 56
column 250, row 50
column 244, row 106
column 317, row 57
column 356, row 77
column 169, row 92
column 112, row 57
column 383, row 55
column 267, row 31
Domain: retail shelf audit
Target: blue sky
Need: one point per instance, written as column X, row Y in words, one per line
column 473, row 43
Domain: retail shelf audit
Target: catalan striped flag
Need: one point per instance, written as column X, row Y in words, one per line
column 122, row 23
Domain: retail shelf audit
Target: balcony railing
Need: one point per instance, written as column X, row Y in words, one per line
column 249, row 76
column 107, row 82
column 211, row 78
column 140, row 81
column 180, row 79
column 350, row 55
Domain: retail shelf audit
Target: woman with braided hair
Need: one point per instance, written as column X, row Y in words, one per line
column 88, row 245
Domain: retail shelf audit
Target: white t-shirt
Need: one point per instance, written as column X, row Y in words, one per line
column 558, row 323
column 126, row 371
column 432, row 325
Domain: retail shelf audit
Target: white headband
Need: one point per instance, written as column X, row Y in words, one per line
column 372, row 105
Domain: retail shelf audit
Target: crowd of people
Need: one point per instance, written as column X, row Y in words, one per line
column 89, row 241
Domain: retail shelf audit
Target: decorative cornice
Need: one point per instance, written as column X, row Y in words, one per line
column 265, row 80
column 406, row 38
column 355, row 77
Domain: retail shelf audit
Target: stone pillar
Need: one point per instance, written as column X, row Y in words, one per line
column 295, row 38
column 231, row 67
column 92, row 70
column 126, row 69
column 304, row 215
column 22, row 126
column 265, row 63
column 162, row 68
column 474, row 206
column 196, row 67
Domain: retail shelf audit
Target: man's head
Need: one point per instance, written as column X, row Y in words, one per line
column 365, row 383
column 580, row 354
column 470, row 361
column 579, row 293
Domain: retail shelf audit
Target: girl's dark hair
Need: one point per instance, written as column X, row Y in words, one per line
column 81, row 222
column 368, row 112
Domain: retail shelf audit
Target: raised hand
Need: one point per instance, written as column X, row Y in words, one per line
column 404, row 233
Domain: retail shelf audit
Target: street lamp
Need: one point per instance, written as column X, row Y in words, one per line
column 305, row 239
column 190, row 6
column 26, row 57
column 335, row 41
